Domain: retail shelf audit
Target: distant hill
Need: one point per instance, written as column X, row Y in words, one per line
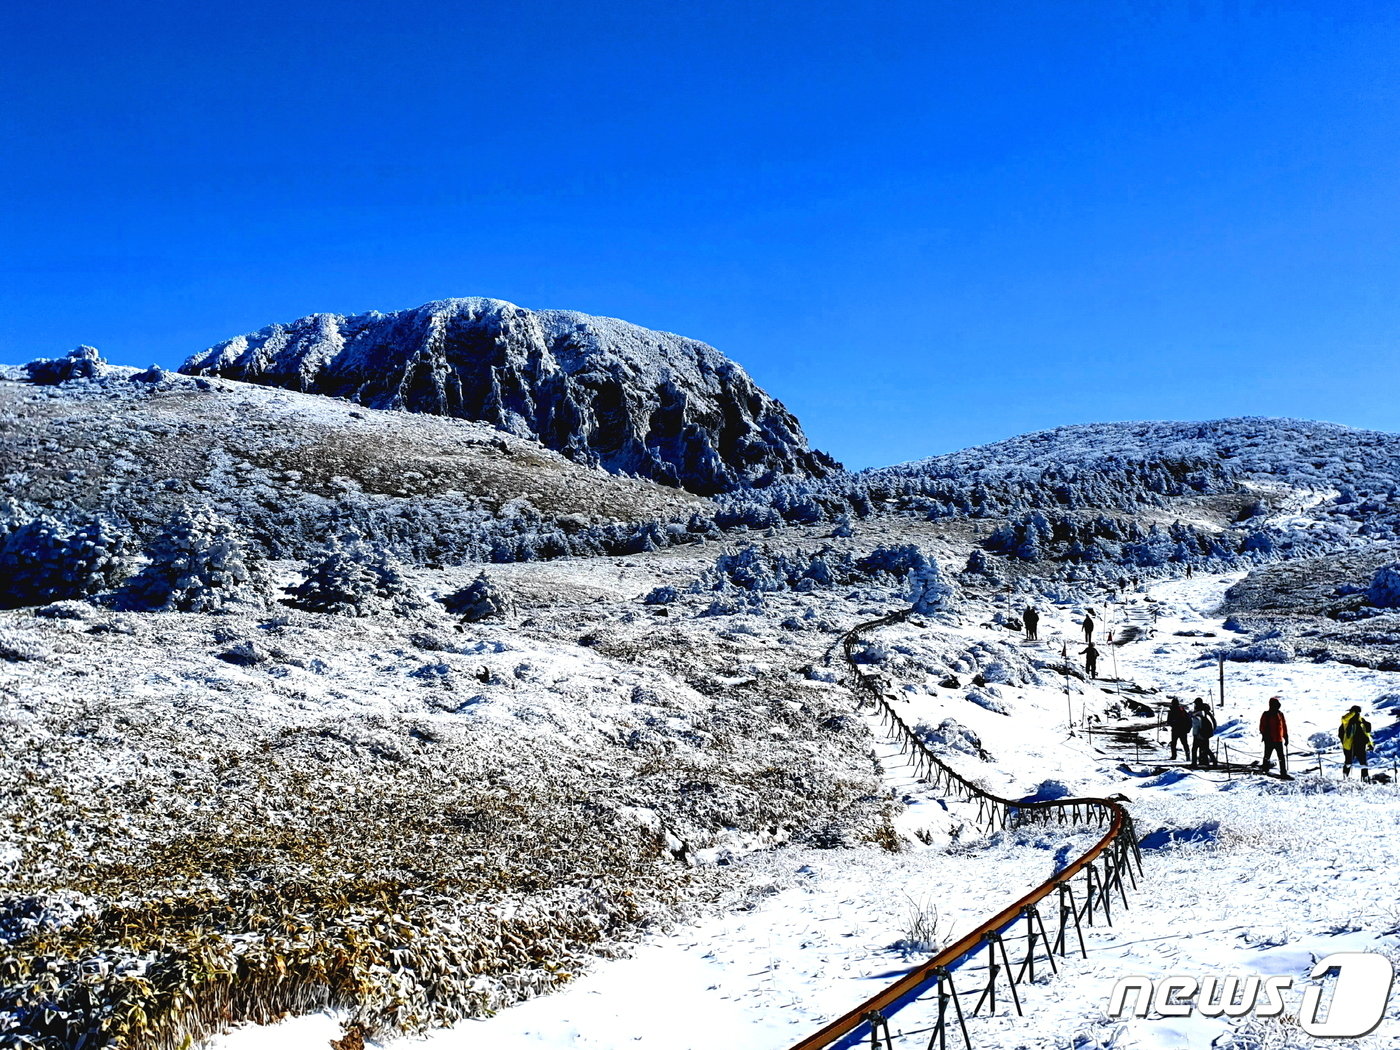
column 1294, row 452
column 601, row 391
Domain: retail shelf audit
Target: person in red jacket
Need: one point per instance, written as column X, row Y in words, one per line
column 1273, row 727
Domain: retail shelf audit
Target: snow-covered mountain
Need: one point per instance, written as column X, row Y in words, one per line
column 600, row 390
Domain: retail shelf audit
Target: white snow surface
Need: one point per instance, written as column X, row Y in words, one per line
column 1266, row 877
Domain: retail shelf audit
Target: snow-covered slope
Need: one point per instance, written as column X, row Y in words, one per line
column 598, row 389
column 291, row 468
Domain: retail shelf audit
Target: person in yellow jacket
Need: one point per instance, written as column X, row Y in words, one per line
column 1355, row 735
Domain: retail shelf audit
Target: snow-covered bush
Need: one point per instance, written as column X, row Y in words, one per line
column 1271, row 650
column 15, row 650
column 198, row 563
column 984, row 698
column 756, row 569
column 153, row 375
column 979, row 564
column 1384, row 591
column 355, row 579
column 1048, row 791
column 44, row 561
column 479, row 600
column 84, row 362
column 1322, row 741
column 739, row 603
column 950, row 735
column 663, row 595
column 929, row 589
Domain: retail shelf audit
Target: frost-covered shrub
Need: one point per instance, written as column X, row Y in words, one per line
column 84, row 362
column 1048, row 791
column 1384, row 591
column 44, row 561
column 664, row 595
column 153, row 375
column 355, row 579
column 979, row 564
column 479, row 600
column 755, row 569
column 984, row 698
column 1322, row 741
column 1272, row 650
column 998, row 673
column 14, row 650
column 740, row 603
column 198, row 563
column 897, row 560
column 929, row 590
column 950, row 735
column 843, row 529
column 246, row 653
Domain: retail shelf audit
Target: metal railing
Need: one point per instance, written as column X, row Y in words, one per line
column 1103, row 867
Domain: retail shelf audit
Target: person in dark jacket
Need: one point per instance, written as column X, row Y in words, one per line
column 1179, row 722
column 1202, row 729
column 1355, row 735
column 1088, row 625
column 1091, row 660
column 1032, row 620
column 1273, row 727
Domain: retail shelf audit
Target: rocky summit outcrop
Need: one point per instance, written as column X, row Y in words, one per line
column 599, row 390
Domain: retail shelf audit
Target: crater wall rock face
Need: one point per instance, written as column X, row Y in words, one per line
column 599, row 390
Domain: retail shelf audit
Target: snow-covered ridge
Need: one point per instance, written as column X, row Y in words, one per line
column 602, row 391
column 1297, row 452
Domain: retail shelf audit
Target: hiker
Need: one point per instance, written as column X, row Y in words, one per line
column 1273, row 727
column 1202, row 729
column 1355, row 735
column 1189, row 571
column 1122, row 585
column 1088, row 625
column 1032, row 618
column 1091, row 660
column 1179, row 722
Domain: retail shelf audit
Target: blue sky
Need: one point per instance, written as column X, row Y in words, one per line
column 921, row 225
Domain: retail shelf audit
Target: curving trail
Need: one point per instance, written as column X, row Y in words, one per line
column 1102, row 866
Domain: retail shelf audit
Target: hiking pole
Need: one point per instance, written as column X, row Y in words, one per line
column 1221, row 659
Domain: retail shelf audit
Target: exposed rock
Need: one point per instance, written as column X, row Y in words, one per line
column 599, row 390
column 84, row 362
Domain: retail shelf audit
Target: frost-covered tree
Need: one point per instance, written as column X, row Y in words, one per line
column 198, row 563
column 480, row 600
column 84, row 362
column 929, row 589
column 1384, row 591
column 46, row 561
column 355, row 579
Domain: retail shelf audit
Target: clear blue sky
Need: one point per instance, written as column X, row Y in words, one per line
column 921, row 225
